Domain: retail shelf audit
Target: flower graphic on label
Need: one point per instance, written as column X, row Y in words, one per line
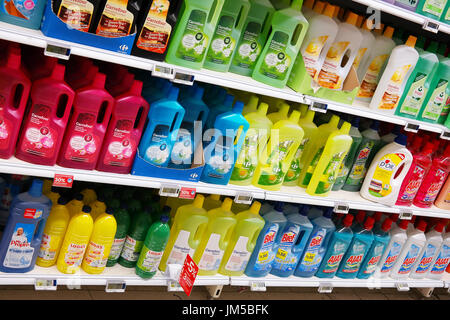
column 47, row 142
column 221, row 164
column 28, row 4
column 157, row 154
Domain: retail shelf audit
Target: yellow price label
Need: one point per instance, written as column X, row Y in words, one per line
column 263, row 256
column 309, row 257
column 281, row 254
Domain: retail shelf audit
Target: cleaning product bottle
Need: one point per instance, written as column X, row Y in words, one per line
column 76, row 15
column 339, row 243
column 98, row 207
column 281, row 114
column 164, row 120
column 275, row 160
column 85, row 79
column 160, row 90
column 446, row 14
column 89, row 196
column 26, row 14
column 363, row 158
column 441, row 261
column 433, row 9
column 75, row 205
column 386, row 173
column 123, row 86
column 251, row 105
column 364, row 50
column 212, row 202
column 186, row 233
column 443, row 199
column 408, row 5
column 117, row 18
column 152, row 251
column 255, row 142
column 123, row 221
column 75, row 242
column 226, row 143
column 390, row 137
column 215, row 239
column 390, row 88
column 317, row 244
column 193, row 32
column 380, row 242
column 242, row 242
column 218, row 107
column 253, row 38
column 44, row 125
column 53, row 195
column 100, row 243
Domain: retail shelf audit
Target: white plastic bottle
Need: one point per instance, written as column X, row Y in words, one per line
column 429, row 252
column 308, row 9
column 366, row 47
column 383, row 181
column 390, row 88
column 441, row 261
column 410, row 253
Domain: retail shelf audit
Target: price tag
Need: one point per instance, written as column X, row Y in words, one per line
column 341, row 207
column 184, row 78
column 445, row 135
column 57, row 52
column 187, row 193
column 163, row 72
column 431, row 26
column 45, row 284
column 62, row 181
column 402, row 286
column 174, row 286
column 188, row 274
column 411, row 127
column 405, row 214
column 258, row 286
column 169, row 191
column 319, row 107
column 244, row 198
column 115, row 286
column 325, row 288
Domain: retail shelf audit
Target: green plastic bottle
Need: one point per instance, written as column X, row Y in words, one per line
column 154, row 244
column 275, row 63
column 227, row 33
column 446, row 16
column 193, row 32
column 134, row 206
column 253, row 38
column 123, row 220
column 433, row 9
column 281, row 114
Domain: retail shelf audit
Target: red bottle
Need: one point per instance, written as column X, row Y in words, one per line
column 87, row 126
column 15, row 89
column 85, row 79
column 36, row 63
column 76, row 68
column 419, row 168
column 46, row 120
column 124, row 131
column 123, row 86
column 434, row 180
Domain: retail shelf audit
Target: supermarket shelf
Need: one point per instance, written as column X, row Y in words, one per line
column 405, row 14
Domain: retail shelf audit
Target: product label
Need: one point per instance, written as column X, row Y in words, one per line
column 375, row 258
column 95, row 255
column 435, row 7
column 131, row 249
column 392, row 94
column 436, row 102
column 180, row 249
column 312, row 167
column 116, row 249
column 239, row 257
column 272, row 172
column 115, row 20
column 409, row 260
column 74, row 255
column 276, row 63
column 122, row 146
column 358, row 171
column 249, row 47
column 222, row 158
column 329, row 77
column 45, row 251
column 295, row 168
column 265, row 254
column 76, row 13
column 20, row 252
column 285, row 259
column 412, row 4
column 23, row 9
column 83, row 144
column 149, row 260
column 212, row 256
column 370, row 80
column 426, row 259
column 414, row 183
column 5, row 125
column 313, row 257
column 183, row 148
column 359, row 57
column 439, row 177
column 194, row 41
column 312, row 53
column 354, row 257
column 158, row 151
column 222, row 43
column 391, row 257
column 248, row 157
column 442, row 260
column 380, row 183
column 337, row 253
column 328, row 177
column 415, row 96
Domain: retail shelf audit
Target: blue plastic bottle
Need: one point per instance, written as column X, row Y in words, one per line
column 156, row 91
column 218, row 108
column 214, row 95
column 316, row 245
column 360, row 245
column 293, row 241
column 314, row 212
column 224, row 144
column 165, row 118
column 24, row 13
column 339, row 243
column 260, row 262
column 23, row 232
column 191, row 130
column 358, row 222
column 381, row 239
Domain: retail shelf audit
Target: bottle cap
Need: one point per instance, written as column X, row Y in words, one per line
column 309, row 4
column 304, row 210
column 377, row 216
column 379, row 30
column 352, row 18
column 279, row 206
column 166, row 209
column 422, row 225
column 329, row 10
column 109, row 210
column 360, row 216
column 263, row 108
column 387, row 224
column 389, row 32
column 411, row 42
column 401, row 139
column 79, row 197
column 173, row 93
column 394, row 217
column 348, row 220
column 375, row 125
column 319, row 6
column 403, row 224
column 198, row 201
column 164, row 218
column 215, row 197
column 62, row 201
column 256, row 206
column 238, row 107
column 295, row 116
column 439, row 227
column 86, row 209
column 199, row 91
column 226, row 204
column 328, row 213
column 368, row 225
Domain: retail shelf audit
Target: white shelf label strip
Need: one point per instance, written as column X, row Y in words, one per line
column 45, row 284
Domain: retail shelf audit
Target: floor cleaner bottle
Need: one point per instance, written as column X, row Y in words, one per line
column 364, row 50
column 218, row 107
column 212, row 202
column 433, row 9
column 123, row 221
column 89, row 196
column 22, row 13
column 441, row 261
column 98, row 207
column 75, row 205
column 251, row 105
column 53, row 195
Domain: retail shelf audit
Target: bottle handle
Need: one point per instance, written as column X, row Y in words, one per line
column 143, row 118
column 198, row 234
column 38, row 235
column 226, row 240
column 243, row 17
column 107, row 116
column 23, row 99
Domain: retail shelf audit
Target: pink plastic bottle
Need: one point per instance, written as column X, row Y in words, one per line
column 416, row 174
column 46, row 120
column 76, row 68
column 123, row 86
column 434, row 180
column 83, row 139
column 124, row 131
column 85, row 79
column 14, row 92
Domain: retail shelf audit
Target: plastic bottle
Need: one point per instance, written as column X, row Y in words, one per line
column 251, row 105
column 75, row 242
column 89, row 196
column 433, row 9
column 85, row 79
column 441, row 261
column 386, row 173
column 212, row 202
column 443, row 199
column 98, row 207
column 53, row 195
column 217, row 108
column 24, row 14
column 242, row 242
column 123, row 221
column 44, row 125
column 446, row 15
column 75, row 205
column 116, row 18
column 367, row 45
column 281, row 114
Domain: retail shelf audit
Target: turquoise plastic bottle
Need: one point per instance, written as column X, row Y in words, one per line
column 156, row 90
column 213, row 95
column 217, row 108
column 316, row 245
column 224, row 145
column 26, row 14
column 339, row 243
column 260, row 263
column 165, row 118
column 362, row 240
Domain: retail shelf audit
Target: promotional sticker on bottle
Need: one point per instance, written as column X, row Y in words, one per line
column 20, row 252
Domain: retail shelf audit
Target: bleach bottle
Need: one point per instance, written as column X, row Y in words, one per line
column 316, row 246
column 441, row 261
column 26, row 14
column 227, row 138
column 218, row 106
column 165, row 118
column 22, row 236
column 292, row 243
column 260, row 262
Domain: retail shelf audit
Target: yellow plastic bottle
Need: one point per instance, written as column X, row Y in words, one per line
column 46, row 187
column 174, row 204
column 303, row 108
column 251, row 105
column 243, row 240
column 212, row 202
column 281, row 114
column 215, row 239
column 75, row 242
column 75, row 205
column 54, row 231
column 186, row 232
column 53, row 195
column 98, row 208
column 239, row 207
column 102, row 238
column 336, row 148
column 89, row 196
column 274, row 162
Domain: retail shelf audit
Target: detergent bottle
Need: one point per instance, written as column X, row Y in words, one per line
column 53, row 195
column 228, row 31
column 441, row 261
column 100, row 243
column 75, row 205
column 316, row 246
column 24, row 14
column 186, row 233
column 84, row 79
column 253, row 38
column 226, row 142
column 212, row 202
column 44, row 125
column 159, row 91
column 123, row 222
column 433, row 9
column 281, row 114
column 242, row 242
column 89, row 196
column 387, row 172
column 251, row 105
column 365, row 48
column 193, row 32
column 164, row 120
column 255, row 142
column 75, row 242
column 215, row 239
column 218, row 107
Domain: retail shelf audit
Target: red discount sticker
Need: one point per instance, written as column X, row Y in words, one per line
column 62, row 181
column 188, row 274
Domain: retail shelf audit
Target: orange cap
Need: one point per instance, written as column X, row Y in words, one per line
column 329, row 10
column 309, row 4
column 336, row 11
column 411, row 42
column 379, row 30
column 341, row 13
column 319, row 6
column 352, row 18
column 389, row 32
column 360, row 21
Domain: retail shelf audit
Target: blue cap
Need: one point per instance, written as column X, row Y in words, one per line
column 304, row 210
column 173, row 93
column 401, row 139
column 279, row 206
column 238, row 107
column 87, row 209
column 328, row 213
column 79, row 197
column 375, row 125
column 164, row 218
column 62, row 201
column 355, row 122
column 166, row 209
column 109, row 210
column 36, row 188
column 229, row 100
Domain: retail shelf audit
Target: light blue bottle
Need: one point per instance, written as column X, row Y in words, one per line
column 360, row 245
column 316, row 246
column 164, row 120
column 158, row 91
column 217, row 109
column 339, row 243
column 315, row 212
column 223, row 145
column 26, row 13
column 293, row 241
column 214, row 95
column 188, row 91
column 260, row 262
column 381, row 239
column 191, row 130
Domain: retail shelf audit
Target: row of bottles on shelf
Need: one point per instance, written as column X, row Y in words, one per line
column 434, row 9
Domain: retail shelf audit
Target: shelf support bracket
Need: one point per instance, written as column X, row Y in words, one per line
column 426, row 292
column 325, row 288
column 214, row 291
